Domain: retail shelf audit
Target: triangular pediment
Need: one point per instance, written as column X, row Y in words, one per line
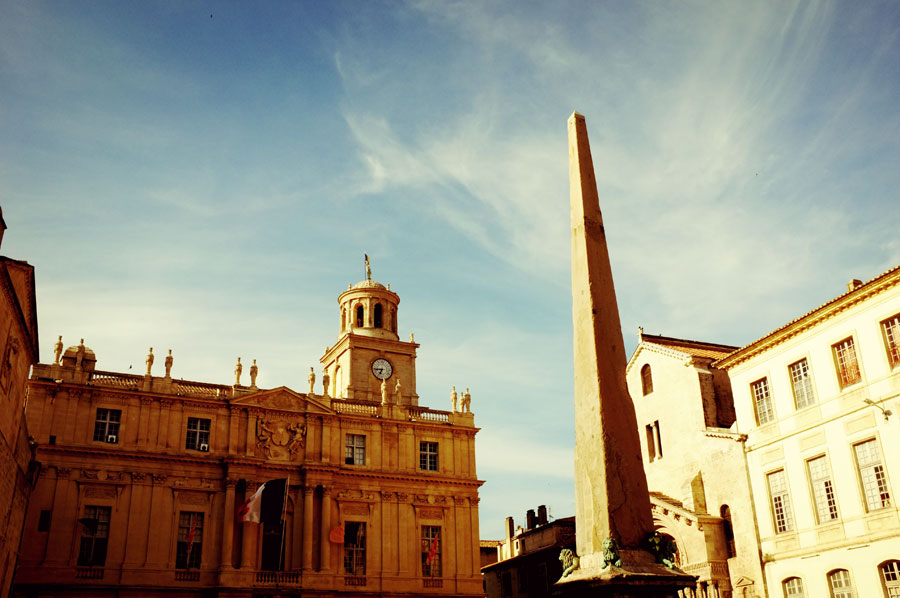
column 743, row 581
column 283, row 399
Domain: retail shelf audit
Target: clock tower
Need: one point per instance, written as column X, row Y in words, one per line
column 369, row 349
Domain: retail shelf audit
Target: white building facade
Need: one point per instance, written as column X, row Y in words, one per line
column 819, row 402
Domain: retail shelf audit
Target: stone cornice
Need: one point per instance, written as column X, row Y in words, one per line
column 824, row 312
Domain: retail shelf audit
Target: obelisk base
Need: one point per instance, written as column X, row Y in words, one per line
column 639, row 577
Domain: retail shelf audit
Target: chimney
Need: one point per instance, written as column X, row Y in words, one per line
column 854, row 284
column 510, row 529
column 542, row 515
column 530, row 519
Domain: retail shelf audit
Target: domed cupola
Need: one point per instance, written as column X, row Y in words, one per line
column 369, row 308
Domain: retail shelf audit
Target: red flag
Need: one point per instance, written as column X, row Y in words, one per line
column 433, row 551
column 190, row 539
column 336, row 536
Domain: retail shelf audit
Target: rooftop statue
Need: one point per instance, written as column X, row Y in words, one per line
column 254, row 370
column 149, row 360
column 238, row 368
column 168, row 364
column 312, row 381
column 57, row 350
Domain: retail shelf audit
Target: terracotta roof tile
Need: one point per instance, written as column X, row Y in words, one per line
column 694, row 348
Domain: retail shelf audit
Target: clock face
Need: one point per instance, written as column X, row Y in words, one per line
column 382, row 368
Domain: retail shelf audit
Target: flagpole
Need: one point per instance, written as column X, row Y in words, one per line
column 287, row 485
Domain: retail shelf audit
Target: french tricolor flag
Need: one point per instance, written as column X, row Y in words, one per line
column 266, row 504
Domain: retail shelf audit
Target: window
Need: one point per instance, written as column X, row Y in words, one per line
column 428, row 456
column 355, row 450
column 891, row 330
column 94, row 536
column 801, row 382
column 190, row 540
column 793, row 587
column 377, row 315
column 890, row 574
column 763, row 401
column 106, row 426
column 651, row 442
column 355, row 548
column 840, row 584
column 359, row 316
column 781, row 502
column 823, row 490
column 646, row 380
column 431, row 551
column 871, row 473
column 197, row 438
column 44, row 521
column 725, row 513
column 506, row 583
column 845, row 360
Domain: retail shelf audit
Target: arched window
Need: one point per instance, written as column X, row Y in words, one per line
column 646, row 380
column 359, row 316
column 840, row 584
column 378, row 319
column 725, row 513
column 890, row 575
column 793, row 587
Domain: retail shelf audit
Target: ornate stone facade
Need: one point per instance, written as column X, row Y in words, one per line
column 143, row 464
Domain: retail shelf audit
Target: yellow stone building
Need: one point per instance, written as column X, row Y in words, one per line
column 143, row 476
column 18, row 350
column 695, row 463
column 818, row 401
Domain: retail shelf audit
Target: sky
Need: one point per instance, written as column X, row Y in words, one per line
column 206, row 177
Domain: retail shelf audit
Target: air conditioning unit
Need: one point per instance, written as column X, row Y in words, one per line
column 204, row 448
column 112, row 439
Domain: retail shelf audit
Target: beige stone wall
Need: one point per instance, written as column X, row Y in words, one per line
column 701, row 467
column 860, row 538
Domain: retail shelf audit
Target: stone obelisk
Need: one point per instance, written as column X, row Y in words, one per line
column 611, row 498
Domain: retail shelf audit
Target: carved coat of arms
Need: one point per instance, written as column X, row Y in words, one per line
column 280, row 439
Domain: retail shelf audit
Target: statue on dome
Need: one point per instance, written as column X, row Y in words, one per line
column 312, row 381
column 79, row 355
column 254, row 370
column 368, row 268
column 238, row 368
column 57, row 350
column 168, row 364
column 453, row 399
column 149, row 361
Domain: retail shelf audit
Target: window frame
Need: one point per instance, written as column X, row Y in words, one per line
column 890, row 333
column 809, row 391
column 93, row 545
column 880, row 477
column 762, row 383
column 797, row 592
column 891, row 587
column 197, row 436
column 354, row 551
column 824, row 493
column 427, row 535
column 428, row 458
column 843, row 366
column 354, row 452
column 193, row 558
column 786, row 525
column 646, row 379
column 109, row 427
column 830, row 577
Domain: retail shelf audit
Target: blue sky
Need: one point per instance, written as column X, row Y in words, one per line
column 207, row 176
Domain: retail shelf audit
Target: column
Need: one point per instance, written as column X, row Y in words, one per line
column 248, row 545
column 233, row 423
column 162, row 437
column 228, row 525
column 308, row 492
column 324, row 542
column 326, row 440
column 251, row 432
